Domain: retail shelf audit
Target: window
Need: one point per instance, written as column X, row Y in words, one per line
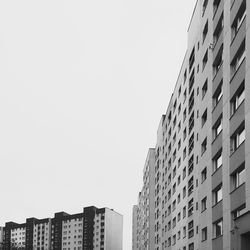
column 174, row 240
column 179, row 235
column 179, row 217
column 240, row 16
column 174, row 222
column 190, row 207
column 179, row 91
column 191, row 246
column 174, row 106
column 191, row 59
column 190, row 229
column 217, row 95
column 185, row 95
column 238, row 98
column 205, row 30
column 204, row 234
column 191, row 143
column 179, row 109
column 217, row 194
column 238, row 177
column 204, row 146
column 184, row 173
column 218, row 30
column 204, row 89
column 239, row 211
column 217, row 128
column 204, row 6
column 184, row 153
column 217, row 228
column 217, row 161
column 191, row 81
column 218, row 62
column 216, row 4
column 238, row 58
column 184, row 192
column 238, row 138
column 204, row 60
column 203, row 204
column 184, row 212
column 185, row 76
column 191, row 165
column 184, row 232
column 203, row 175
column 204, row 118
column 184, row 134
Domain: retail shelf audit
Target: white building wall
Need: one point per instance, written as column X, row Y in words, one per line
column 72, row 234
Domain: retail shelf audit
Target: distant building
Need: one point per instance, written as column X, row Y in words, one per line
column 143, row 212
column 1, row 238
column 94, row 228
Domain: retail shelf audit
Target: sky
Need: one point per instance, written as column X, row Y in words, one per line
column 83, row 85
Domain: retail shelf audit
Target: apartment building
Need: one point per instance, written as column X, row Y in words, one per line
column 202, row 183
column 94, row 228
column 143, row 213
column 1, row 238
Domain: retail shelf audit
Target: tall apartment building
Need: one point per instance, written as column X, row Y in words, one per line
column 90, row 230
column 143, row 213
column 202, row 154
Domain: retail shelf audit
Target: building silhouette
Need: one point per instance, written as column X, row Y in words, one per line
column 94, row 228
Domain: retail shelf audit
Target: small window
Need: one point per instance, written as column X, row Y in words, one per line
column 239, row 18
column 205, row 30
column 217, row 128
column 204, row 118
column 238, row 177
column 239, row 211
column 217, row 95
column 218, row 30
column 184, row 232
column 184, row 192
column 203, row 175
column 204, row 89
column 218, row 61
column 217, row 194
column 238, row 58
column 238, row 98
column 238, row 138
column 204, row 60
column 217, row 228
column 179, row 91
column 203, row 204
column 184, row 95
column 204, row 6
column 217, row 161
column 204, row 234
column 204, row 146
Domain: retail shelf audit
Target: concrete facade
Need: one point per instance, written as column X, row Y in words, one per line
column 202, row 178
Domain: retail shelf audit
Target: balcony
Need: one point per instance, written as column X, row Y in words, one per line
column 237, row 78
column 237, row 118
column 217, row 12
column 238, row 196
column 237, row 157
column 238, row 39
column 217, row 78
column 216, row 144
column 217, row 211
column 217, row 177
column 217, row 243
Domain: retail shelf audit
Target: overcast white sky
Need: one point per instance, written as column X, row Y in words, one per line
column 83, row 85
